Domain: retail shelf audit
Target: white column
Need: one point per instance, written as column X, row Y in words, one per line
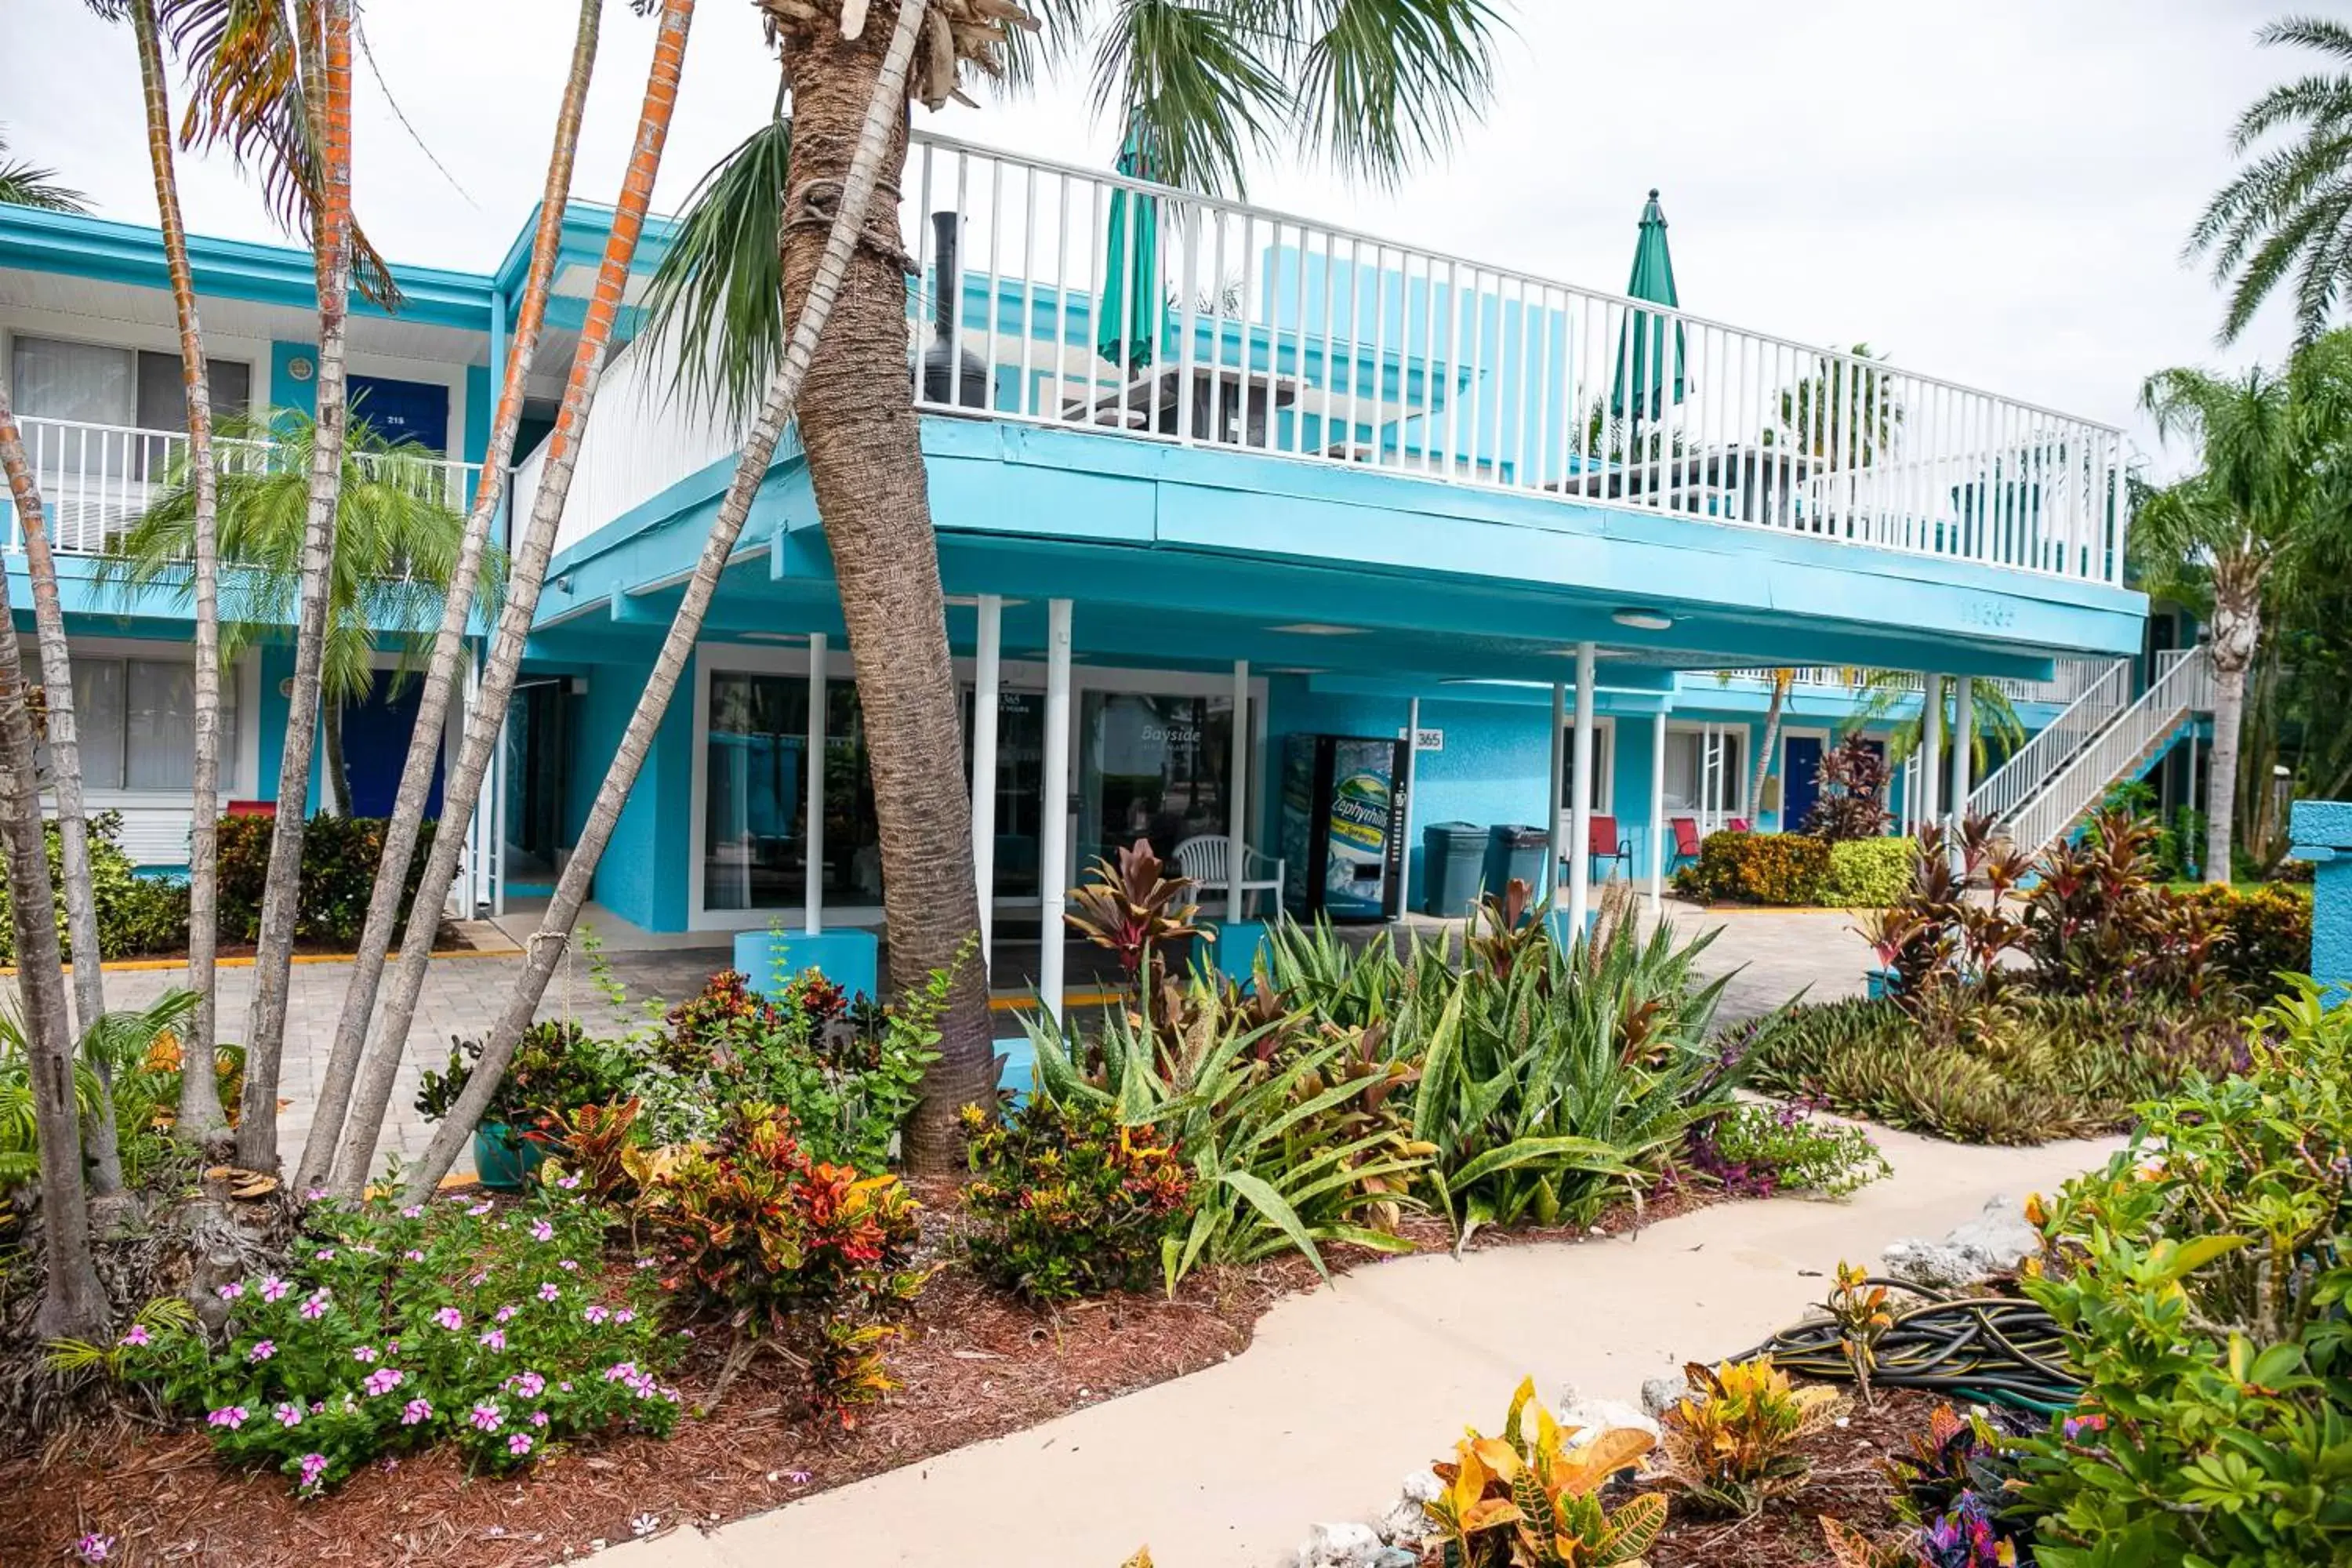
column 813, row 793
column 1579, row 795
column 987, row 662
column 1931, row 748
column 1412, row 799
column 1659, row 837
column 1237, row 817
column 1053, row 820
column 1555, row 833
column 1964, row 723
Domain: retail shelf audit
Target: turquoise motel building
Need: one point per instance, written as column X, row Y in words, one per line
column 1210, row 482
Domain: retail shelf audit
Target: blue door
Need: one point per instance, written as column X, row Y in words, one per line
column 1800, row 779
column 375, row 746
column 402, row 410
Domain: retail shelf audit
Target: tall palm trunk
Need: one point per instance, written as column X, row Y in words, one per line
column 200, row 1108
column 425, row 742
column 858, row 426
column 364, row 1121
column 829, row 275
column 72, row 1301
column 2237, row 628
column 257, row 1132
column 1781, row 679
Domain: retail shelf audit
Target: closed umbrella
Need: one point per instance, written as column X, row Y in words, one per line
column 1129, row 329
column 1644, row 365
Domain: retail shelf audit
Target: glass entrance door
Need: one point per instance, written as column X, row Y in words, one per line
column 1151, row 765
column 1020, row 787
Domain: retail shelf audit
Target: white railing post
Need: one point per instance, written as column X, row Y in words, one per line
column 1053, row 821
column 812, row 793
column 986, row 680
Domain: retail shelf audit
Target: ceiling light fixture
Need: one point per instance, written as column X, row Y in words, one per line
column 1644, row 620
column 1316, row 629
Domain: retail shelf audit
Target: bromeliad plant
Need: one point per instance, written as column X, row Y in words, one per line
column 1732, row 1443
column 1530, row 1501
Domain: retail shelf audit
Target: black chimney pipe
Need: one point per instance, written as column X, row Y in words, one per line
column 942, row 383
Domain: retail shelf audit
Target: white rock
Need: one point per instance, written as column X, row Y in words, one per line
column 1347, row 1544
column 1594, row 1417
column 1994, row 1243
column 1663, row 1393
column 1422, row 1486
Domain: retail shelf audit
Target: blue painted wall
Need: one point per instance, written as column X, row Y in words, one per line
column 641, row 877
column 285, row 391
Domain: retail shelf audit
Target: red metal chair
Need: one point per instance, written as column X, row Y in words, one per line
column 253, row 808
column 1686, row 840
column 1603, row 843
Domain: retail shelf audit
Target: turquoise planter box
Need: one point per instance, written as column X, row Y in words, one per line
column 1882, row 984
column 1560, row 926
column 850, row 959
column 1016, row 1067
column 506, row 1164
column 1231, row 949
column 2321, row 831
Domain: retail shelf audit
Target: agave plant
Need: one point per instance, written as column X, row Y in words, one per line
column 1533, row 1501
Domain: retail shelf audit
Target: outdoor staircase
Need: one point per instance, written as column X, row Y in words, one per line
column 2100, row 739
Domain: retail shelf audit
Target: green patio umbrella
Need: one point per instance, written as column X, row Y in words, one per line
column 1130, row 302
column 1645, row 364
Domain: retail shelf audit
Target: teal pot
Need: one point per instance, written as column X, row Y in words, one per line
column 1882, row 984
column 505, row 1160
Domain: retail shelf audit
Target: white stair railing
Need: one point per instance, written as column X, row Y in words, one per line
column 2017, row 781
column 2184, row 689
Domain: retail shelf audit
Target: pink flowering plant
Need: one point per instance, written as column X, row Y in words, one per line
column 496, row 1340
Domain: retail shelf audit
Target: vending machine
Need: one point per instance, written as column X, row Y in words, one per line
column 1343, row 824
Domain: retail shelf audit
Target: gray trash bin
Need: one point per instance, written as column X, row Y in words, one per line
column 1451, row 865
column 1514, row 849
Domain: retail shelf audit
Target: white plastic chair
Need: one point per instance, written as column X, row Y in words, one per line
column 1204, row 860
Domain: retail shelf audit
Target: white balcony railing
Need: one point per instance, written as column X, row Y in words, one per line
column 96, row 480
column 2073, row 678
column 1258, row 330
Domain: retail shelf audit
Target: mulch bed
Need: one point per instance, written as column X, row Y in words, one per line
column 1849, row 1482
column 975, row 1364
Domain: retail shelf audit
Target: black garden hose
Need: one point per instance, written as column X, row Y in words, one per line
column 1989, row 1348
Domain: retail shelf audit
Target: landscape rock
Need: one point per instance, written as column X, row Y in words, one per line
column 1990, row 1245
column 1347, row 1545
column 1663, row 1393
column 1406, row 1523
column 1594, row 1417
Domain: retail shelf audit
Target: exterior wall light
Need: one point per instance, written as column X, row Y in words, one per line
column 1644, row 620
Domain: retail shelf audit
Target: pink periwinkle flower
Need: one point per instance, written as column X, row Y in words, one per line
column 413, row 1211
column 519, row 1444
column 619, row 1370
column 384, row 1380
column 325, row 1255
column 649, row 1262
column 549, row 1291
column 485, row 1418
column 595, row 1312
column 496, row 1339
column 413, row 1254
column 314, row 1306
column 622, row 1315
column 137, row 1336
column 450, row 1317
column 530, row 1385
column 262, row 1350
column 314, row 1194
column 94, row 1547
column 230, row 1291
column 288, row 1413
column 479, row 1209
column 229, row 1416
column 539, row 1417
column 798, row 1477
column 567, row 1182
column 274, row 1288
column 313, row 1467
column 506, row 1313
column 542, row 1231
column 568, row 1264
column 416, row 1411
column 363, row 1353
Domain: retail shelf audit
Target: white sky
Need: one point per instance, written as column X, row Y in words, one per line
column 1994, row 192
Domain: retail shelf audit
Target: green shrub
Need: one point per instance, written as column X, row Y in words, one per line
column 1761, row 867
column 2267, row 934
column 2200, row 1283
column 1065, row 1201
column 392, row 1331
column 1867, row 873
column 339, row 855
column 135, row 914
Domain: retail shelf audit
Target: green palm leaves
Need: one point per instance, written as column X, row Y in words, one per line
column 25, row 183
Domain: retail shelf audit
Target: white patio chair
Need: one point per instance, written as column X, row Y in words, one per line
column 1203, row 859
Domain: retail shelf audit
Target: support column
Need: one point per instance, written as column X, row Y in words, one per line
column 1411, row 797
column 1659, row 837
column 1931, row 748
column 1579, row 795
column 1237, row 817
column 1054, row 818
column 813, row 793
column 986, row 666
column 1555, row 846
column 1964, row 724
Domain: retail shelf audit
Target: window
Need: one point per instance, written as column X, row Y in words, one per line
column 1604, row 766
column 755, row 826
column 91, row 385
column 1707, row 774
column 136, row 719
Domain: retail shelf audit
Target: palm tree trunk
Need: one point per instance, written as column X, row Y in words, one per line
column 824, row 281
column 858, row 426
column 331, row 741
column 2236, row 627
column 257, row 1132
column 425, row 743
column 364, row 1123
column 199, row 1115
column 1780, row 683
column 72, row 1302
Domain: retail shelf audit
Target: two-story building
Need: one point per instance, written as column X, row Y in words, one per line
column 1302, row 482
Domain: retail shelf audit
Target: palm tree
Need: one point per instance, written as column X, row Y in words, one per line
column 2288, row 212
column 72, row 1301
column 1992, row 717
column 486, row 720
column 1838, row 406
column 449, row 642
column 27, row 185
column 2255, row 503
column 1373, row 85
column 397, row 543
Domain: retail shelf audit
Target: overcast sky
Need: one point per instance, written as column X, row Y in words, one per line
column 1994, row 192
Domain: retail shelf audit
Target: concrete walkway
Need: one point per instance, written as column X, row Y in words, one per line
column 1349, row 1389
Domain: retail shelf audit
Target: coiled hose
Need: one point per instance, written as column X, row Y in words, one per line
column 1994, row 1350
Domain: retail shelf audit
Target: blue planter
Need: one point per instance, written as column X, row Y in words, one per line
column 504, row 1161
column 1882, row 984
column 850, row 958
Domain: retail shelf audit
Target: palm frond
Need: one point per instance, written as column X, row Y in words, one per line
column 1200, row 86
column 25, row 183
column 1386, row 83
column 718, row 292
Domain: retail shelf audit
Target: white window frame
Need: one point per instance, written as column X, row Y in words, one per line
column 1604, row 773
column 1713, row 818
